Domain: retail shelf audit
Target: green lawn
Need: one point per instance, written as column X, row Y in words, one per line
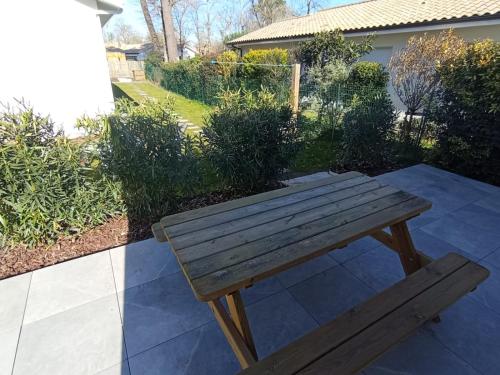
column 317, row 155
column 188, row 109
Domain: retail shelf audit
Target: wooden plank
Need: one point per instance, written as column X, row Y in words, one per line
column 406, row 250
column 223, row 259
column 387, row 240
column 302, row 224
column 245, row 273
column 243, row 353
column 239, row 317
column 231, row 205
column 244, row 223
column 375, row 340
column 157, row 230
column 314, row 345
column 228, row 217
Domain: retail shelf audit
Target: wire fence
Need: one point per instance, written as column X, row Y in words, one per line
column 323, row 99
column 205, row 80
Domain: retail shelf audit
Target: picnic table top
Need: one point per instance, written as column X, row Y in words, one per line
column 228, row 246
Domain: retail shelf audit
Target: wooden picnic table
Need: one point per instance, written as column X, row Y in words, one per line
column 229, row 246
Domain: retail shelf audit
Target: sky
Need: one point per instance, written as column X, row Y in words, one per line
column 132, row 14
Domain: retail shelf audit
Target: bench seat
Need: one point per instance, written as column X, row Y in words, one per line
column 359, row 336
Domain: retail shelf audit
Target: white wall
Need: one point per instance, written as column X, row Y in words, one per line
column 54, row 57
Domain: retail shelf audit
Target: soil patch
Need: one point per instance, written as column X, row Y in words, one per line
column 115, row 232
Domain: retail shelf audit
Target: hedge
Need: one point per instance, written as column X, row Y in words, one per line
column 203, row 79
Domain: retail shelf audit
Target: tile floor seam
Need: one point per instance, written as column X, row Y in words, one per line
column 70, row 309
column 119, row 309
column 354, row 257
column 487, row 255
column 454, row 353
column 483, row 304
column 212, row 319
column 22, row 324
column 305, row 309
column 489, row 263
column 363, row 282
column 309, row 277
column 172, row 338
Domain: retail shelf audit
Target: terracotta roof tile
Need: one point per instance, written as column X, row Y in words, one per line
column 374, row 14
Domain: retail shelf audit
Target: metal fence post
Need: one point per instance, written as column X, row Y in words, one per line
column 294, row 89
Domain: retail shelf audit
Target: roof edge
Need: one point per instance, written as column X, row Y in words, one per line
column 446, row 21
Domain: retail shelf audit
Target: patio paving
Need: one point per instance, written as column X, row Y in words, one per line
column 129, row 310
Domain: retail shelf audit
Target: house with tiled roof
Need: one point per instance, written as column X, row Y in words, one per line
column 391, row 21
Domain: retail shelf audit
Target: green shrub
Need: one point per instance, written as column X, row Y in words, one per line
column 467, row 112
column 255, row 58
column 227, row 64
column 49, row 185
column 195, row 79
column 143, row 147
column 249, row 139
column 367, row 75
column 153, row 67
column 367, row 128
column 329, row 46
column 203, row 79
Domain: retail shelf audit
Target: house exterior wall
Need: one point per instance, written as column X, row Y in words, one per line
column 385, row 44
column 56, row 59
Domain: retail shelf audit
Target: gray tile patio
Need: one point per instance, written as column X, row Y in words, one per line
column 129, row 311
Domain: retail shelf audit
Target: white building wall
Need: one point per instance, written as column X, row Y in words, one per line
column 54, row 58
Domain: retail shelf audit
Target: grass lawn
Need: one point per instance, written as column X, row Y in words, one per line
column 317, row 155
column 188, row 109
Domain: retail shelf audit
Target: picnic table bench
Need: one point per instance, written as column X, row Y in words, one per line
column 229, row 246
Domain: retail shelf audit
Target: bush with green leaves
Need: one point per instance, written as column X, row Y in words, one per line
column 144, row 148
column 332, row 76
column 250, row 139
column 195, row 78
column 467, row 112
column 204, row 79
column 368, row 76
column 329, row 46
column 49, row 185
column 366, row 134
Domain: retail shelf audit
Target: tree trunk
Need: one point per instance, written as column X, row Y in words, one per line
column 168, row 30
column 309, row 4
column 149, row 24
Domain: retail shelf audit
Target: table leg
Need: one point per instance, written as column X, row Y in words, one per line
column 236, row 341
column 388, row 241
column 239, row 317
column 403, row 242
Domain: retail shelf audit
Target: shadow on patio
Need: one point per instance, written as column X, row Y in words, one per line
column 129, row 310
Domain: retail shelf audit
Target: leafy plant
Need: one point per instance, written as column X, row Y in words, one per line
column 143, row 147
column 204, row 79
column 415, row 78
column 255, row 58
column 329, row 82
column 227, row 64
column 249, row 139
column 368, row 76
column 367, row 128
column 49, row 185
column 329, row 46
column 467, row 111
column 328, row 88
